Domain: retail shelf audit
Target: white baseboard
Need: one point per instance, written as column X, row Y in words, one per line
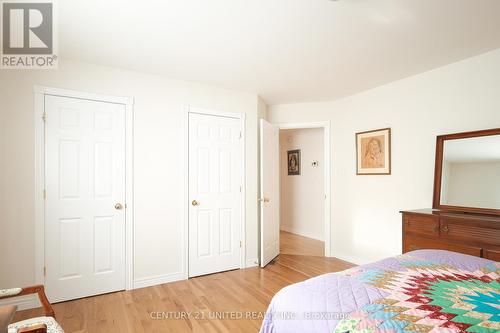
column 301, row 233
column 351, row 259
column 159, row 279
column 25, row 302
column 252, row 263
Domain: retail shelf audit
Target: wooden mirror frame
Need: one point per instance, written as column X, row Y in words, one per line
column 438, row 172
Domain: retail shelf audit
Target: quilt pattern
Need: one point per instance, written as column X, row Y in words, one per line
column 426, row 297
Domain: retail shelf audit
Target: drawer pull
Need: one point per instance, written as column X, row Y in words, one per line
column 445, row 228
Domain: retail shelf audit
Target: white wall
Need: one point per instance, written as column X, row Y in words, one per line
column 302, row 202
column 473, row 184
column 366, row 224
column 158, row 164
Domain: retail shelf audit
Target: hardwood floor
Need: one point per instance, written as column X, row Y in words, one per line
column 190, row 305
column 300, row 245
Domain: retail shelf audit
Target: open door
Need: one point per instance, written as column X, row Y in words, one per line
column 269, row 193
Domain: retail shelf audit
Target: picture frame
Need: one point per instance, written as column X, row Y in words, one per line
column 373, row 152
column 293, row 162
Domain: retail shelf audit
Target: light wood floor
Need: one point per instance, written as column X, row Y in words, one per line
column 222, row 294
column 299, row 245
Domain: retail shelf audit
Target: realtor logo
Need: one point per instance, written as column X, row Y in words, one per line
column 28, row 35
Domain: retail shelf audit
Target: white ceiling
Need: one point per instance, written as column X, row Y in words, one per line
column 284, row 50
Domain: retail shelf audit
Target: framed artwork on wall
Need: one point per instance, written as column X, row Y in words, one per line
column 373, row 152
column 293, row 157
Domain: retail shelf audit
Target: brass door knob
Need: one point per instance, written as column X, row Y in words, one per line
column 195, row 203
column 118, row 206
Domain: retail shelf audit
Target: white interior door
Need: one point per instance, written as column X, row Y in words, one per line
column 85, row 197
column 269, row 192
column 215, row 193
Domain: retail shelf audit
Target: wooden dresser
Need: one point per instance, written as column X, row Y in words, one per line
column 474, row 234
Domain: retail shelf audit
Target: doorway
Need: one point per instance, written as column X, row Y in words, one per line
column 302, row 196
column 273, row 163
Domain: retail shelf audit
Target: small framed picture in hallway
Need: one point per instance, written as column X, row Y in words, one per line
column 373, row 152
column 293, row 162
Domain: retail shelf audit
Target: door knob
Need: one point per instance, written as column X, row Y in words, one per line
column 195, row 203
column 118, row 206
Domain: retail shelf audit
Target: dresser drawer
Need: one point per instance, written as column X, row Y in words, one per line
column 476, row 231
column 416, row 243
column 421, row 224
column 491, row 254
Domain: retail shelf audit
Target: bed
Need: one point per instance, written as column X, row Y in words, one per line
column 421, row 291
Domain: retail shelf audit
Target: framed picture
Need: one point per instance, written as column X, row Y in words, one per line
column 373, row 152
column 293, row 157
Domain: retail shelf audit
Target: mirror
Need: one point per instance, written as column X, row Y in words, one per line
column 468, row 167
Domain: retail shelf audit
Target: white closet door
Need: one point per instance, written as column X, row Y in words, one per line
column 215, row 173
column 85, row 196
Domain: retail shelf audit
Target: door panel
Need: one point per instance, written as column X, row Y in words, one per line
column 69, row 253
column 104, row 235
column 84, row 179
column 270, row 195
column 491, row 254
column 226, row 234
column 204, row 232
column 215, row 174
column 69, row 162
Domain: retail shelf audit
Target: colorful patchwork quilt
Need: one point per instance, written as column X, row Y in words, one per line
column 424, row 291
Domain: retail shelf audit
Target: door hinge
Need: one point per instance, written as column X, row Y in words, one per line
column 241, row 189
column 44, row 115
column 44, row 271
column 45, row 194
column 241, row 244
column 241, row 135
